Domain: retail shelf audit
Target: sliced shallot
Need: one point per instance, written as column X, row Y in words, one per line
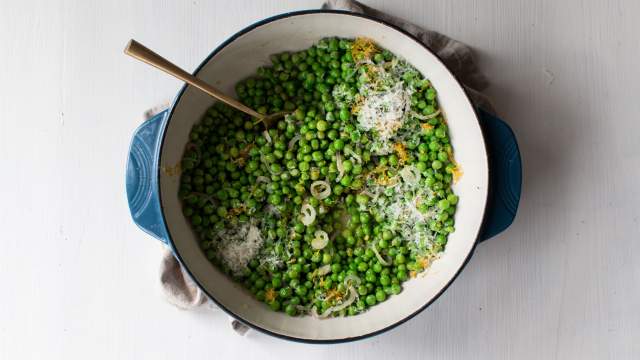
column 340, row 167
column 410, row 175
column 426, row 117
column 293, row 141
column 379, row 257
column 353, row 295
column 320, row 189
column 308, row 214
column 320, row 240
column 348, row 151
column 267, row 136
column 323, row 270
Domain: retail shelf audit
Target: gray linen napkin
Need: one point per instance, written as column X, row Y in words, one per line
column 176, row 284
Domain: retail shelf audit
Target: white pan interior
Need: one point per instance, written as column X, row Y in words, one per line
column 239, row 59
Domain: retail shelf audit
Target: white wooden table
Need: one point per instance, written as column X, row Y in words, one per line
column 78, row 280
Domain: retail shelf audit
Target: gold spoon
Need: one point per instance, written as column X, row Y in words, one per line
column 146, row 55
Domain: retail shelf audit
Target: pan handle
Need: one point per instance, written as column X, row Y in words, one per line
column 505, row 175
column 504, row 185
column 142, row 177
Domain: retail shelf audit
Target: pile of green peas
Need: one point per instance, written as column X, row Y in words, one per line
column 234, row 174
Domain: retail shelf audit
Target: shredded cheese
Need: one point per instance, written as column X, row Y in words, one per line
column 384, row 112
column 239, row 246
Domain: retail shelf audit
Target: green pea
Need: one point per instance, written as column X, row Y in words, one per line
column 275, row 305
column 322, row 125
column 362, row 267
column 301, row 290
column 365, row 218
column 347, row 165
column 401, row 275
column 393, row 159
column 443, row 204
column 396, row 289
column 291, row 310
column 362, row 199
column 304, row 166
column 317, row 156
column 344, row 114
column 346, row 181
column 356, row 184
column 285, row 292
column 370, row 299
column 385, row 280
column 275, row 199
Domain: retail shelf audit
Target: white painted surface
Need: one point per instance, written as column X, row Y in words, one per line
column 78, row 279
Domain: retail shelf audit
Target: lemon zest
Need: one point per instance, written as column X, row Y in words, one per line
column 236, row 211
column 334, row 294
column 241, row 159
column 457, row 174
column 357, row 105
column 401, row 150
column 363, row 48
column 424, row 262
column 270, row 295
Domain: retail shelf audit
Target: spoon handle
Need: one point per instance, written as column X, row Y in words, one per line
column 144, row 54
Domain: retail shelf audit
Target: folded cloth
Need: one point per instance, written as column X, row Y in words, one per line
column 181, row 291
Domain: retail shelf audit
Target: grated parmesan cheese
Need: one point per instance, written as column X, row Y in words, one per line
column 385, row 111
column 271, row 259
column 399, row 206
column 239, row 246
